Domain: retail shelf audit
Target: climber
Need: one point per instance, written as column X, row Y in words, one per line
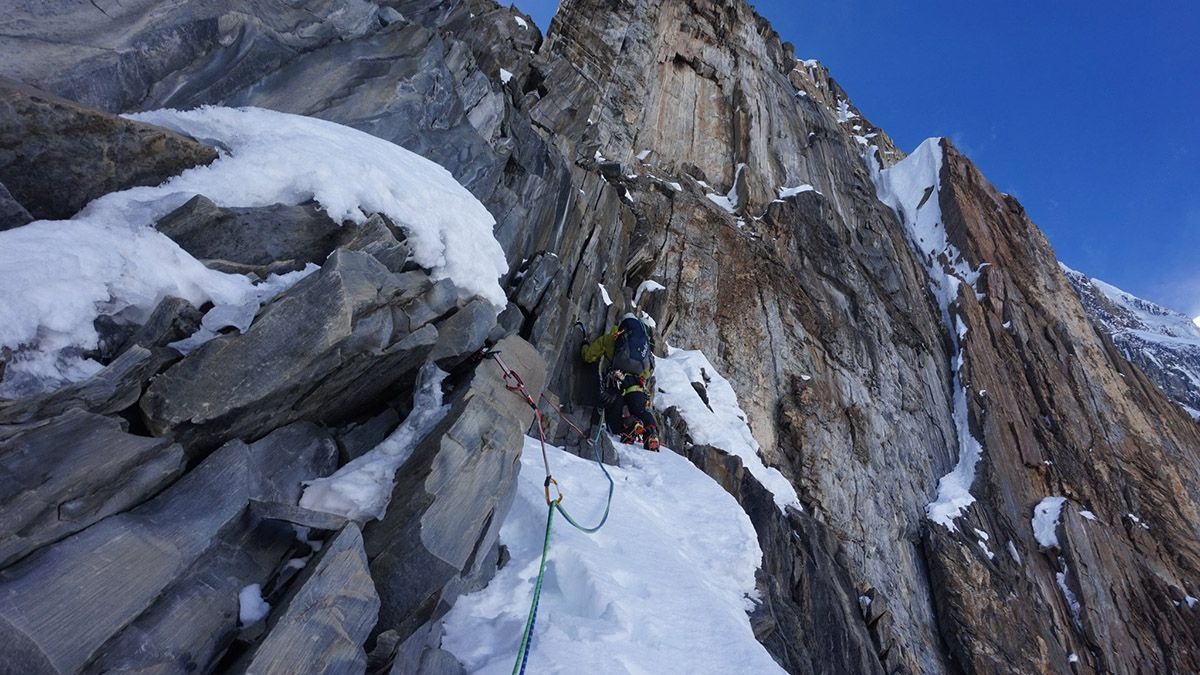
column 629, row 350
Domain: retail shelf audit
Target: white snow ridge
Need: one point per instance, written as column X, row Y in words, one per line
column 719, row 422
column 58, row 276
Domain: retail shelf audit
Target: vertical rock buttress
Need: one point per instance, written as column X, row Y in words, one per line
column 812, row 302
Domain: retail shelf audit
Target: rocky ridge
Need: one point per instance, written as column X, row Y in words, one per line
column 1163, row 343
column 680, row 141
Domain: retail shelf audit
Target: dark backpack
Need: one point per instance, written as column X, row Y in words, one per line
column 633, row 351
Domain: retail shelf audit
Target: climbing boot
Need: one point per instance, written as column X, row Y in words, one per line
column 652, row 443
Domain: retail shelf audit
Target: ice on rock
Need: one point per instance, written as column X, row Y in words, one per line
column 911, row 188
column 361, row 489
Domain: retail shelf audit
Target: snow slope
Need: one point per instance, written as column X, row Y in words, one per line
column 58, row 276
column 661, row 588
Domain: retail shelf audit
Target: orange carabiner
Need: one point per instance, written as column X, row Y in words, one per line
column 552, row 502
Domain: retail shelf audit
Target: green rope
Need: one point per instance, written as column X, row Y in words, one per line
column 552, row 505
column 611, row 486
column 527, row 635
column 523, row 652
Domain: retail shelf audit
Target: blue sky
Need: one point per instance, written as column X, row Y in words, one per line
column 1089, row 113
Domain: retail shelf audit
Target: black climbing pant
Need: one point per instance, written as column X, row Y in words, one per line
column 638, row 404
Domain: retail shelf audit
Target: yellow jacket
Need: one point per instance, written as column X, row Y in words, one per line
column 603, row 346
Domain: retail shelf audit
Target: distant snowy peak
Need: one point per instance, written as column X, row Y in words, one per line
column 1123, row 310
column 1162, row 342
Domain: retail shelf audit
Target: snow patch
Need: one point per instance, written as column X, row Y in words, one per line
column 604, row 295
column 785, row 192
column 1088, row 514
column 505, row 75
column 241, row 315
column 647, row 286
column 1069, row 596
column 1045, row 521
column 720, row 423
column 673, row 567
column 1012, row 552
column 986, row 551
column 844, row 114
column 521, row 22
column 1138, row 521
column 251, row 606
column 361, row 489
column 729, row 200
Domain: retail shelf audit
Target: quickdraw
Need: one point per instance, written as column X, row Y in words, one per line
column 514, row 383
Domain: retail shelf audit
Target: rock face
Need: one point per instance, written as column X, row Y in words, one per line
column 317, row 341
column 69, row 472
column 1163, row 343
column 56, row 155
column 327, row 619
column 12, row 214
column 62, row 605
column 440, row 532
column 679, row 141
column 1062, row 414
